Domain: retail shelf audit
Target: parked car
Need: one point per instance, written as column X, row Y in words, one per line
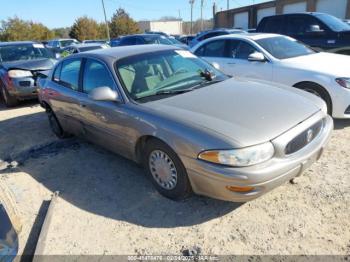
column 212, row 33
column 283, row 60
column 157, row 33
column 186, row 39
column 94, row 42
column 8, row 237
column 58, row 45
column 146, row 39
column 320, row 31
column 20, row 64
column 192, row 127
column 73, row 49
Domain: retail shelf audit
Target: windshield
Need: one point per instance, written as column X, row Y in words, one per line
column 10, row 53
column 148, row 75
column 157, row 40
column 282, row 47
column 333, row 23
column 65, row 43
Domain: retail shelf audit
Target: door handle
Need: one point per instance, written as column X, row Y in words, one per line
column 82, row 105
column 231, row 63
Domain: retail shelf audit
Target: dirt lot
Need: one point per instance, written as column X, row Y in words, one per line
column 107, row 206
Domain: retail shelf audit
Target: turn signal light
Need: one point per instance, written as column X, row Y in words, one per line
column 240, row 189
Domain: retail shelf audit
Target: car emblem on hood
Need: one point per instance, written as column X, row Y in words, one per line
column 309, row 135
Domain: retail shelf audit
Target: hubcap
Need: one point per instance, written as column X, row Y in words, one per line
column 163, row 169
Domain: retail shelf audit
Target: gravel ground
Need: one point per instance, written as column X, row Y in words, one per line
column 107, row 206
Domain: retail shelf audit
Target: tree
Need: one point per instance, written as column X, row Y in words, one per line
column 15, row 29
column 61, row 32
column 85, row 28
column 122, row 24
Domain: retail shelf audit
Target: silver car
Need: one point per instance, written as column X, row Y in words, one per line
column 193, row 128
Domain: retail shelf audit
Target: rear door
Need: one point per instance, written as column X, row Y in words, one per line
column 105, row 122
column 64, row 96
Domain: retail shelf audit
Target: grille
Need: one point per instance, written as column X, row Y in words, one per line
column 304, row 138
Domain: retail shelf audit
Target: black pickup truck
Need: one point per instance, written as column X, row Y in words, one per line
column 321, row 31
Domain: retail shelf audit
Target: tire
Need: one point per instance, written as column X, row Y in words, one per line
column 10, row 101
column 158, row 155
column 55, row 125
column 318, row 91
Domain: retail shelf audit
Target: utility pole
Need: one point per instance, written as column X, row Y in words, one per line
column 107, row 27
column 202, row 4
column 191, row 3
column 228, row 4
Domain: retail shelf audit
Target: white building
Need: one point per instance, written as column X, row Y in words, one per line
column 171, row 27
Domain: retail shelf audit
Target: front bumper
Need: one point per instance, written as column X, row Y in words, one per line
column 341, row 101
column 211, row 180
column 23, row 88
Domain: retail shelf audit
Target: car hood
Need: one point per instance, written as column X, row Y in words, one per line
column 31, row 65
column 327, row 63
column 245, row 112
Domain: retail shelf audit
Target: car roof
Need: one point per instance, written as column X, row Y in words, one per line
column 252, row 36
column 17, row 43
column 87, row 45
column 297, row 13
column 143, row 35
column 120, row 52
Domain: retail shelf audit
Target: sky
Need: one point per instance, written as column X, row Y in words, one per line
column 63, row 13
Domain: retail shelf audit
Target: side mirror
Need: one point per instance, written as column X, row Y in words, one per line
column 104, row 93
column 58, row 56
column 256, row 57
column 216, row 65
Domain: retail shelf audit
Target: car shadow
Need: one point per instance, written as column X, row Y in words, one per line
column 341, row 123
column 98, row 181
column 22, row 104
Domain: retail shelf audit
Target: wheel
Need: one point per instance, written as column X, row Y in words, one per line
column 9, row 100
column 318, row 91
column 166, row 170
column 55, row 125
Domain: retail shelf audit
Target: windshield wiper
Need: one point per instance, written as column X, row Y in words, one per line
column 166, row 92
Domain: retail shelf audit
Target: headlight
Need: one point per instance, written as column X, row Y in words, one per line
column 344, row 82
column 247, row 156
column 19, row 73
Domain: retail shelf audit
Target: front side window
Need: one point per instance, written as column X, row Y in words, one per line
column 69, row 76
column 164, row 73
column 96, row 75
column 245, row 50
column 300, row 25
column 282, row 47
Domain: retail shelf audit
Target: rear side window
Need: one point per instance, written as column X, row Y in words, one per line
column 128, row 41
column 272, row 25
column 70, row 71
column 213, row 49
column 96, row 75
